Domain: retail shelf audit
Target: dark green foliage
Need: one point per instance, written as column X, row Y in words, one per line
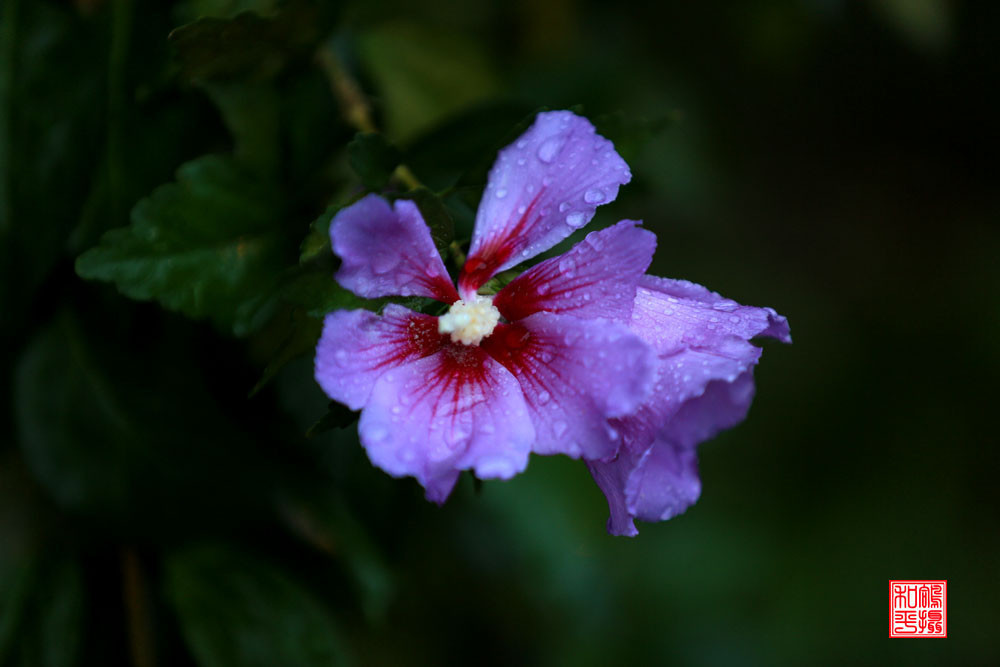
column 42, row 623
column 436, row 216
column 208, row 246
column 235, row 609
column 175, row 489
column 373, row 159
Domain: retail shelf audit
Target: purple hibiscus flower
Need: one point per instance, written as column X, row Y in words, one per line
column 703, row 384
column 581, row 355
column 541, row 367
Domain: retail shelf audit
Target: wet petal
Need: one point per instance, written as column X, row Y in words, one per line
column 596, row 278
column 542, row 188
column 681, row 377
column 661, row 481
column 671, row 314
column 611, row 477
column 388, row 251
column 664, row 483
column 357, row 346
column 457, row 409
column 574, row 374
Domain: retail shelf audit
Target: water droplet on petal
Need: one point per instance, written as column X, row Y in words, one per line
column 594, row 196
column 559, row 428
column 549, row 148
column 563, row 207
column 501, row 193
column 543, row 397
column 726, row 306
column 576, row 219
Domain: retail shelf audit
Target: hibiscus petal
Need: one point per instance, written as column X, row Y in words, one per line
column 671, row 314
column 574, row 374
column 664, row 483
column 455, row 410
column 596, row 278
column 358, row 346
column 541, row 189
column 611, row 478
column 681, row 377
column 388, row 251
column 722, row 405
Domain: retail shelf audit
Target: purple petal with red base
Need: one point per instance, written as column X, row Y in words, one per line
column 574, row 374
column 541, row 189
column 388, row 251
column 596, row 278
column 457, row 409
column 357, row 346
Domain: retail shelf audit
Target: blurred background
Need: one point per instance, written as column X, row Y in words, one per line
column 834, row 160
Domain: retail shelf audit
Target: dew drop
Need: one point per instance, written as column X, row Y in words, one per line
column 726, row 306
column 548, row 150
column 559, row 428
column 543, row 397
column 501, row 193
column 563, row 207
column 594, row 196
column 576, row 219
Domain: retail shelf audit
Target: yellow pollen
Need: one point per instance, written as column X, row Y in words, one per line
column 469, row 322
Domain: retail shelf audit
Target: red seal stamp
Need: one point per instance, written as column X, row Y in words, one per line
column 919, row 608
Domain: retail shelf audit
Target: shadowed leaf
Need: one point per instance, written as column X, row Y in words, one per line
column 373, row 159
column 209, row 246
column 237, row 610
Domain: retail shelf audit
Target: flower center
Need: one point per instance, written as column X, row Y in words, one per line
column 469, row 322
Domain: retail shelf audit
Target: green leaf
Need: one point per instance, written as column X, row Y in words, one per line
column 438, row 160
column 209, row 246
column 53, row 69
column 337, row 416
column 425, row 75
column 318, row 293
column 50, row 623
column 303, row 333
column 435, row 215
column 115, row 426
column 251, row 113
column 316, row 244
column 76, row 435
column 247, row 47
column 318, row 515
column 237, row 610
column 373, row 159
column 191, row 10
